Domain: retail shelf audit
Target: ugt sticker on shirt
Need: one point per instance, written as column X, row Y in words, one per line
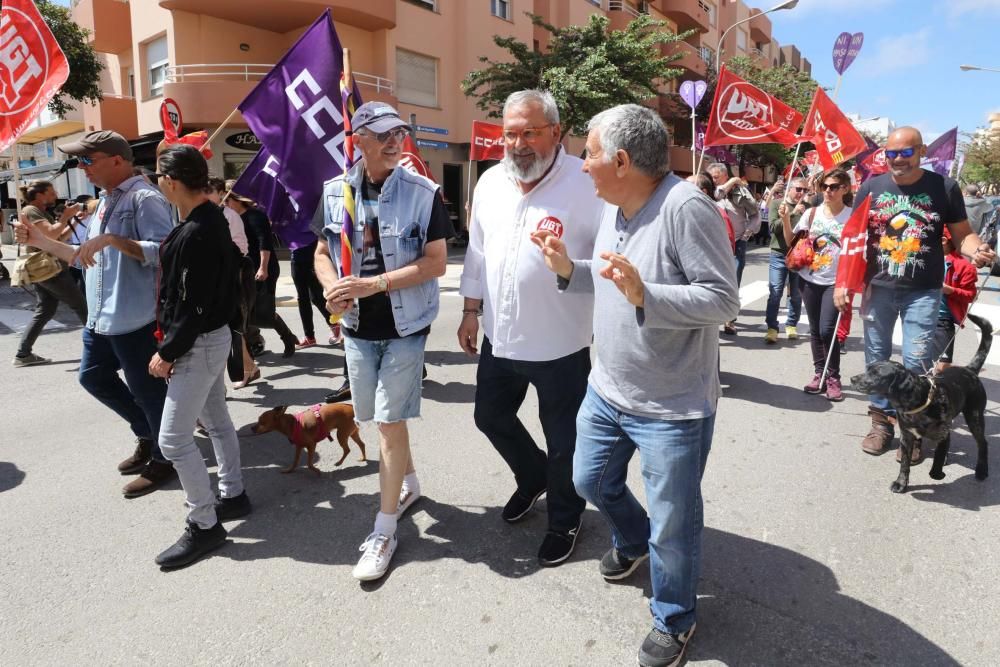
column 552, row 224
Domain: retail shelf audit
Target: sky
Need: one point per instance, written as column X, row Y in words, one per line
column 908, row 66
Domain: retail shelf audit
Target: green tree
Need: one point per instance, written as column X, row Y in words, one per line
column 84, row 65
column 982, row 160
column 587, row 68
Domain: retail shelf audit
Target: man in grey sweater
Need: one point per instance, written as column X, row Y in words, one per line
column 663, row 281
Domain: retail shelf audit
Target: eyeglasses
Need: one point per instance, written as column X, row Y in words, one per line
column 397, row 133
column 831, row 186
column 87, row 160
column 528, row 134
column 799, row 189
column 903, row 152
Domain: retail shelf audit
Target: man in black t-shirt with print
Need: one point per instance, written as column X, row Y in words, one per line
column 909, row 210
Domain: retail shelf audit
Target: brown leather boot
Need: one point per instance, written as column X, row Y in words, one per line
column 880, row 436
column 134, row 464
column 153, row 476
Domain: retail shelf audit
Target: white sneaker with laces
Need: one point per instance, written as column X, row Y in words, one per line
column 406, row 498
column 378, row 550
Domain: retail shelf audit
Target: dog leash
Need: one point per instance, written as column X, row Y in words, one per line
column 930, row 397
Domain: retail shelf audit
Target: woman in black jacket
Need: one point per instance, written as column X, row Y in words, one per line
column 198, row 299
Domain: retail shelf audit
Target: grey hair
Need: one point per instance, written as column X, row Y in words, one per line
column 639, row 132
column 972, row 189
column 541, row 97
column 718, row 166
column 798, row 179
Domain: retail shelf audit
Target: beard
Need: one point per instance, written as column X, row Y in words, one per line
column 528, row 166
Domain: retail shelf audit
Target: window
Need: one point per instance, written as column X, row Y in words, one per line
column 709, row 9
column 428, row 4
column 707, row 54
column 416, row 78
column 500, row 8
column 741, row 40
column 156, row 65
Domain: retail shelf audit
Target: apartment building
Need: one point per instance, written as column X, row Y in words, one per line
column 208, row 54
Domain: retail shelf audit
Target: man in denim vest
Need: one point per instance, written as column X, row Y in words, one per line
column 121, row 258
column 388, row 300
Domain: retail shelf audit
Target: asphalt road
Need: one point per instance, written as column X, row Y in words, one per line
column 808, row 558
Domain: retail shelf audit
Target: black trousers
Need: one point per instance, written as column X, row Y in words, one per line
column 818, row 302
column 48, row 294
column 307, row 288
column 561, row 384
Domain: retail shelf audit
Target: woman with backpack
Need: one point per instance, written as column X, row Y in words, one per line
column 821, row 228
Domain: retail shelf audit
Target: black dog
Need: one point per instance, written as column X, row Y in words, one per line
column 925, row 406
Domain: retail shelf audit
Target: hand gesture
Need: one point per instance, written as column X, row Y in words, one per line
column 353, row 287
column 841, row 299
column 554, row 253
column 25, row 232
column 160, row 368
column 984, row 256
column 91, row 247
column 71, row 211
column 625, row 277
column 261, row 274
column 468, row 333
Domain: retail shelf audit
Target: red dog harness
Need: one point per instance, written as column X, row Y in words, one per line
column 319, row 432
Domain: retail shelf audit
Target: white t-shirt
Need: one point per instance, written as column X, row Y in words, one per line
column 824, row 234
column 236, row 229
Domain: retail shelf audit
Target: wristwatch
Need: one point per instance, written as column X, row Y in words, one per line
column 382, row 284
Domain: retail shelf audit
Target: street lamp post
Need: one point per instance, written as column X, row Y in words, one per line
column 787, row 4
column 970, row 68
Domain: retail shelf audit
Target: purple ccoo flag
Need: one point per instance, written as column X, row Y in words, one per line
column 298, row 122
column 941, row 153
column 846, row 49
column 260, row 182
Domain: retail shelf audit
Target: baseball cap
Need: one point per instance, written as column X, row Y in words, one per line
column 101, row 141
column 376, row 117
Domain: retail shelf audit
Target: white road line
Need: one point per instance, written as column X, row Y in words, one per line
column 752, row 292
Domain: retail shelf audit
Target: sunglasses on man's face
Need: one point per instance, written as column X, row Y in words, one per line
column 799, row 189
column 397, row 133
column 903, row 152
column 88, row 160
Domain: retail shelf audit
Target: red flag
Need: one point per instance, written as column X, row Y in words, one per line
column 853, row 239
column 487, row 141
column 32, row 68
column 836, row 139
column 412, row 160
column 744, row 114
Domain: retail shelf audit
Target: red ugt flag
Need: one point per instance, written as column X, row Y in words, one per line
column 32, row 68
column 487, row 141
column 744, row 114
column 836, row 139
column 852, row 264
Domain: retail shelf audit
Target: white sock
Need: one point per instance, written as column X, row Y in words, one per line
column 385, row 524
column 410, row 483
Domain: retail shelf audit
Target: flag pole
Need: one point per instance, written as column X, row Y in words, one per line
column 836, row 88
column 17, row 185
column 468, row 188
column 829, row 355
column 694, row 140
column 221, row 127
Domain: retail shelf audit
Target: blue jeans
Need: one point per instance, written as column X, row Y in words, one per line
column 776, row 276
column 385, row 377
column 741, row 260
column 672, row 457
column 918, row 310
column 138, row 400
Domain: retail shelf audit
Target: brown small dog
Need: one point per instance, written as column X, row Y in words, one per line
column 308, row 427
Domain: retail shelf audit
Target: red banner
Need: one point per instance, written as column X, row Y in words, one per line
column 487, row 141
column 744, row 114
column 836, row 139
column 412, row 160
column 32, row 68
column 853, row 239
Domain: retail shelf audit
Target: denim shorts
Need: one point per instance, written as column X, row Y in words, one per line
column 385, row 377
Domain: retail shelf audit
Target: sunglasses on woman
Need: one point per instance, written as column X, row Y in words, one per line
column 903, row 152
column 831, row 186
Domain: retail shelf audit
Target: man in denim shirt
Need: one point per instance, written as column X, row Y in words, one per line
column 121, row 259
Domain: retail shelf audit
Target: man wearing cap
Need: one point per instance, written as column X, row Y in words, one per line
column 388, row 300
column 121, row 256
column 533, row 335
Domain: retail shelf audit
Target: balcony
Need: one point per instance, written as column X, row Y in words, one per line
column 759, row 58
column 209, row 92
column 687, row 14
column 289, row 15
column 113, row 112
column 760, row 27
column 621, row 13
column 108, row 21
column 691, row 60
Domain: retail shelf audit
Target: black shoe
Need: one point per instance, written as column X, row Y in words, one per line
column 289, row 350
column 615, row 566
column 257, row 350
column 843, row 347
column 342, row 394
column 558, row 545
column 661, row 649
column 194, row 543
column 423, row 376
column 227, row 509
column 519, row 505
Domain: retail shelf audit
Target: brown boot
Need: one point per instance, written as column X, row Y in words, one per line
column 154, row 475
column 880, row 436
column 134, row 464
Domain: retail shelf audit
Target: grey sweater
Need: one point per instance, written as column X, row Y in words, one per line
column 662, row 360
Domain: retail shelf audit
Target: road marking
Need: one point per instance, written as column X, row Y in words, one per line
column 18, row 320
column 754, row 291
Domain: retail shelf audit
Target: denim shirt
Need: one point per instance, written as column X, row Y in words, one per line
column 121, row 291
column 404, row 214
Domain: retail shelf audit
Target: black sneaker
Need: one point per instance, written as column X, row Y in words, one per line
column 615, row 566
column 558, row 545
column 519, row 505
column 227, row 509
column 661, row 649
column 342, row 394
column 194, row 543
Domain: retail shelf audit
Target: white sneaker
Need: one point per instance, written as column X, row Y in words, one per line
column 378, row 550
column 406, row 498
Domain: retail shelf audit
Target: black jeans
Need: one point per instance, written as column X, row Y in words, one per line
column 818, row 301
column 48, row 294
column 307, row 288
column 561, row 384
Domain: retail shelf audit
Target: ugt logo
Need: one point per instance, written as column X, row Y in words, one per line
column 24, row 62
column 742, row 113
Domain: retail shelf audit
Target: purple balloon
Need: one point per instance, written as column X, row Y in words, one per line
column 846, row 49
column 692, row 92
